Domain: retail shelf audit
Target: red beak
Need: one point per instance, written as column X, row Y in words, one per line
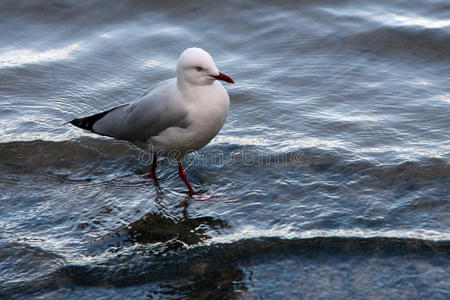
column 224, row 77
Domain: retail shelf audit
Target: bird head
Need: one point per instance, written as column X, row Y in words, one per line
column 196, row 66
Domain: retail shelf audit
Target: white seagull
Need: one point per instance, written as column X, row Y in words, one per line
column 178, row 116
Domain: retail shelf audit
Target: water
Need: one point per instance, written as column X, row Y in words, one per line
column 330, row 178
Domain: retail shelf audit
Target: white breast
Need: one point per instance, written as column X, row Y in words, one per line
column 207, row 111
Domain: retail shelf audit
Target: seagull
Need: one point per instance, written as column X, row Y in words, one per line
column 178, row 116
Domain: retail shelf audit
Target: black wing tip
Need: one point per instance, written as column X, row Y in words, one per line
column 83, row 123
column 88, row 122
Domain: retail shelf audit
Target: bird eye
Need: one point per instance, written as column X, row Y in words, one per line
column 199, row 69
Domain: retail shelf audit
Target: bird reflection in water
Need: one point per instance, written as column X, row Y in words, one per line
column 157, row 228
column 174, row 233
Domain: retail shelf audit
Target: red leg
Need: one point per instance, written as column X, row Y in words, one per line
column 184, row 177
column 152, row 173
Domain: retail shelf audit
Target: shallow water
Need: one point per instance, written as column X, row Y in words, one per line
column 330, row 178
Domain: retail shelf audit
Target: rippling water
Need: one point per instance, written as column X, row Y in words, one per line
column 330, row 178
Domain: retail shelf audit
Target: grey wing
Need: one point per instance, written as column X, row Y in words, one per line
column 156, row 111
